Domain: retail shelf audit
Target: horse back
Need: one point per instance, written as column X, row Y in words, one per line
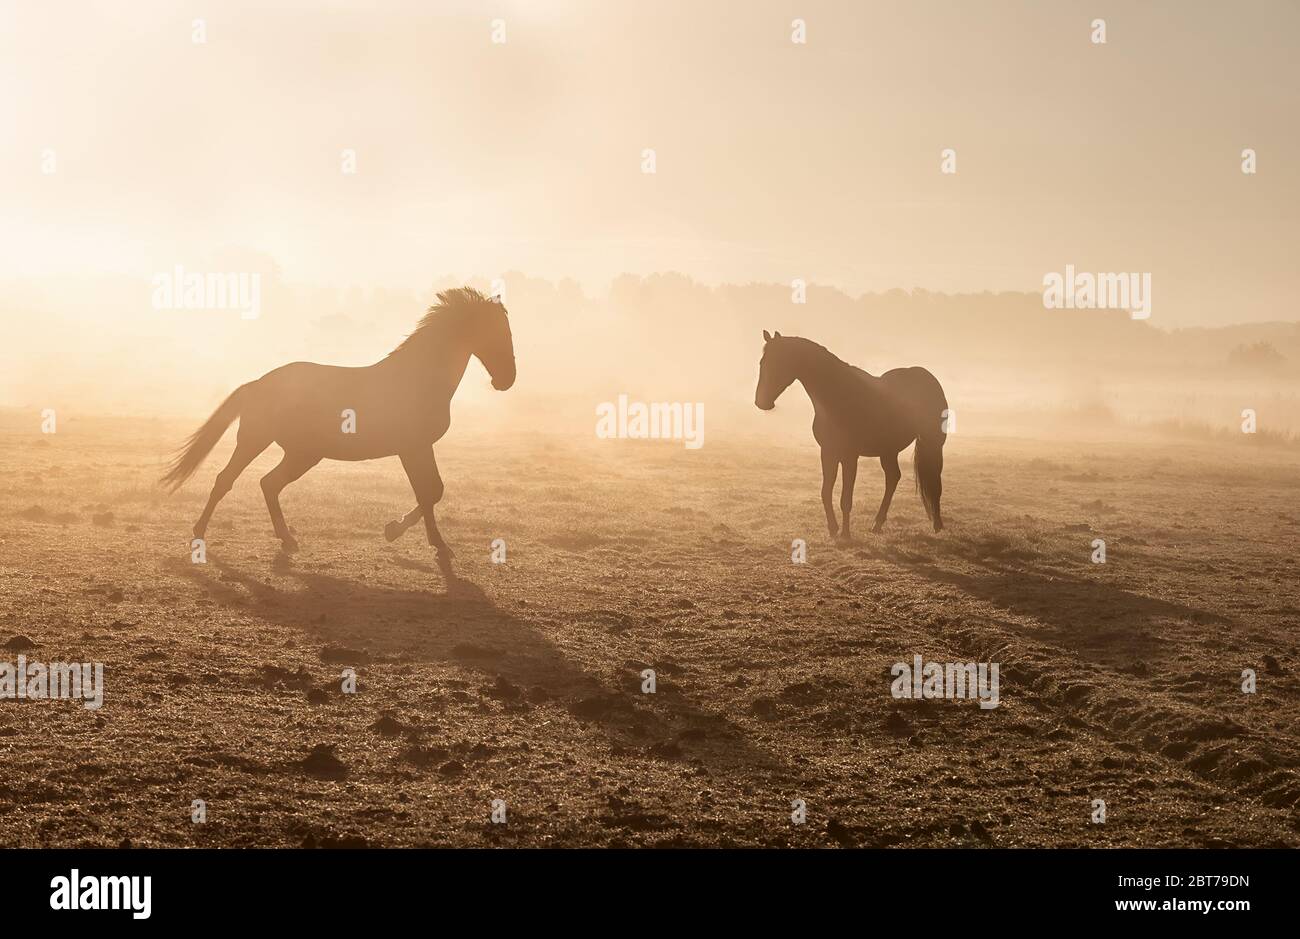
column 876, row 415
column 917, row 384
column 345, row 413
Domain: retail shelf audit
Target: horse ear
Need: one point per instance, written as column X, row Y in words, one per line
column 777, row 334
column 767, row 337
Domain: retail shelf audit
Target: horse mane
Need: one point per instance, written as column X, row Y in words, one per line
column 815, row 349
column 825, row 358
column 450, row 302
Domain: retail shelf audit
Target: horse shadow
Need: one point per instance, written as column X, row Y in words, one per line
column 1099, row 622
column 521, row 667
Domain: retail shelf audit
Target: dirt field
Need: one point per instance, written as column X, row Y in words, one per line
column 1119, row 681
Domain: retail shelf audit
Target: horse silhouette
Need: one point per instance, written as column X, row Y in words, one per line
column 401, row 406
column 857, row 414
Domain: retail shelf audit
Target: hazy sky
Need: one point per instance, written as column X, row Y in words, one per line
column 774, row 160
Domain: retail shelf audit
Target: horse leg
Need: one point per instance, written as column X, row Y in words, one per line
column 889, row 463
column 398, row 526
column 830, row 468
column 246, row 451
column 422, row 470
column 850, row 465
column 273, row 483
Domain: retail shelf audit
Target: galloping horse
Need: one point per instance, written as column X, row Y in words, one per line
column 399, row 406
column 857, row 414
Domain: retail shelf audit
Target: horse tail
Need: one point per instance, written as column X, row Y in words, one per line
column 200, row 443
column 927, row 460
column 928, row 463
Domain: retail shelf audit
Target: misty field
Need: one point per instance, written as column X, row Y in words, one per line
column 223, row 681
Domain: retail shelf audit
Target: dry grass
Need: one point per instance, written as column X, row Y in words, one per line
column 1119, row 681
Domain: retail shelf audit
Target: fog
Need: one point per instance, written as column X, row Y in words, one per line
column 97, row 345
column 358, row 157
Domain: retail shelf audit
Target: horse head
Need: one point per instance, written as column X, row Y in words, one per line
column 493, row 344
column 776, row 370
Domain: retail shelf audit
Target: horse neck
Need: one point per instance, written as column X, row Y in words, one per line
column 819, row 371
column 437, row 358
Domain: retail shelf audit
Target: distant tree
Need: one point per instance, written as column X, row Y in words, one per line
column 1257, row 355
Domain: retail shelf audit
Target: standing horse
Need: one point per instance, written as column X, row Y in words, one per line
column 857, row 414
column 399, row 406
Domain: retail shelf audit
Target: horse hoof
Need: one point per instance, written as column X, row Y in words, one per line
column 393, row 530
column 288, row 545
